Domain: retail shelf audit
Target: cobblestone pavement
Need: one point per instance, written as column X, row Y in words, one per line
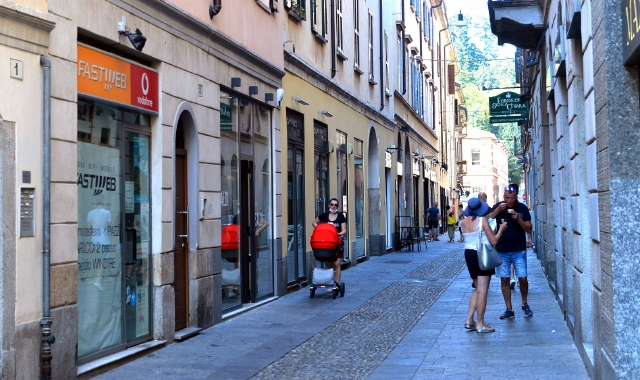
column 401, row 318
column 358, row 343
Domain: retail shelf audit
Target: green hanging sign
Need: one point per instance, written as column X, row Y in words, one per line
column 508, row 103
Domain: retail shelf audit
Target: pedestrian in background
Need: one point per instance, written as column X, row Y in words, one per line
column 513, row 247
column 452, row 222
column 481, row 278
column 434, row 217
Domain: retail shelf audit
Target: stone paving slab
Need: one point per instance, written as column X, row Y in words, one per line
column 432, row 344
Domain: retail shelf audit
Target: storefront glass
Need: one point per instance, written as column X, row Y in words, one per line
column 343, row 182
column 247, row 254
column 113, row 229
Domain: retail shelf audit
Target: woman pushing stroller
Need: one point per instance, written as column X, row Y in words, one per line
column 339, row 221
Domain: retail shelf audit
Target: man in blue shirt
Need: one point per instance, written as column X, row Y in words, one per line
column 512, row 247
column 433, row 217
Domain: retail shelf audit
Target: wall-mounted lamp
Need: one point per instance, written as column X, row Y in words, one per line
column 253, row 90
column 236, row 82
column 215, row 8
column 137, row 39
column 393, row 148
column 461, row 21
column 326, row 113
column 301, row 101
column 404, row 129
column 269, row 97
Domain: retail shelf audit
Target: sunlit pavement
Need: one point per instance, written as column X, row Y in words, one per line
column 402, row 317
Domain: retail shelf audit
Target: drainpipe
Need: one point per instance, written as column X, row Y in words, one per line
column 333, row 40
column 382, row 66
column 404, row 56
column 45, row 323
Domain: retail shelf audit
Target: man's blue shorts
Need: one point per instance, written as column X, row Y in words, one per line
column 519, row 260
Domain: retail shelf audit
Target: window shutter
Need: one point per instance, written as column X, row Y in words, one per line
column 313, row 11
column 451, row 76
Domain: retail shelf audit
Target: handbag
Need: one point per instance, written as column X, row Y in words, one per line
column 488, row 257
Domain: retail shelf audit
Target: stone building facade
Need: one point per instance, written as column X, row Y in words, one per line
column 580, row 71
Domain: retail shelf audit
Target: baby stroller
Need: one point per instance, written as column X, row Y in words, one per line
column 325, row 243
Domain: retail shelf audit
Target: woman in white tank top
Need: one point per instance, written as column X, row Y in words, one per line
column 471, row 226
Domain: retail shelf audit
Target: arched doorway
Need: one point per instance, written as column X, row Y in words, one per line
column 185, row 199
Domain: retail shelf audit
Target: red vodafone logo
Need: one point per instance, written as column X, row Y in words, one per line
column 144, row 88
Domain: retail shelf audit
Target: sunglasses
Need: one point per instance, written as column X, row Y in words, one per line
column 510, row 189
column 333, row 204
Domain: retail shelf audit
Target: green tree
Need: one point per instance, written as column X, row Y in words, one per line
column 483, row 64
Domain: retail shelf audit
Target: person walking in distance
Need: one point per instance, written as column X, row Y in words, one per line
column 513, row 247
column 434, row 217
column 481, row 278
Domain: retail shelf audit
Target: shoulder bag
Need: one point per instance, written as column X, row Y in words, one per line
column 488, row 257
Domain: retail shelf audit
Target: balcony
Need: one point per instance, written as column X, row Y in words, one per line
column 461, row 131
column 462, row 167
column 517, row 22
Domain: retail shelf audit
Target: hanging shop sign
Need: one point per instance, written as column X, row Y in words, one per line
column 108, row 77
column 631, row 31
column 226, row 122
column 508, row 103
column 415, row 167
column 387, row 160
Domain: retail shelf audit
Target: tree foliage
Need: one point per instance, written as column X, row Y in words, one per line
column 483, row 64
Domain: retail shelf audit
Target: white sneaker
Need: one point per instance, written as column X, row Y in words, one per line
column 512, row 284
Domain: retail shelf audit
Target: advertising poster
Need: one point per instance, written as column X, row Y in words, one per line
column 141, row 169
column 99, row 248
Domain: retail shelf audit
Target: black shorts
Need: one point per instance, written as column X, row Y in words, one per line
column 471, row 257
column 433, row 224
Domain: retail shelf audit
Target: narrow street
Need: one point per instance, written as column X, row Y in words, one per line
column 402, row 317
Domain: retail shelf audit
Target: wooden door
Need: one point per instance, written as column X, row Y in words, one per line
column 180, row 267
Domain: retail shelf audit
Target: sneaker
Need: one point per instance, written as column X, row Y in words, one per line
column 509, row 314
column 527, row 310
column 512, row 284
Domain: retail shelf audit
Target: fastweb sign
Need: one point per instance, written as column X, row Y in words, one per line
column 106, row 76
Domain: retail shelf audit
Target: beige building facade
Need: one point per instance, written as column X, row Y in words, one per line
column 487, row 166
column 145, row 107
column 365, row 92
column 157, row 160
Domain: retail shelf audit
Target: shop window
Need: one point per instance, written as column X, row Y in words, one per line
column 114, row 211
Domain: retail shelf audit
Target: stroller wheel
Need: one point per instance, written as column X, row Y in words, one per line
column 335, row 292
column 312, row 292
column 342, row 289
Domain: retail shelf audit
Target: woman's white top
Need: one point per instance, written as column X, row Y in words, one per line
column 471, row 240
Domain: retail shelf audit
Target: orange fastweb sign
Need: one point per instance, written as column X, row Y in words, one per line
column 107, row 77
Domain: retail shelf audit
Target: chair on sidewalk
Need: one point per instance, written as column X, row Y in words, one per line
column 418, row 237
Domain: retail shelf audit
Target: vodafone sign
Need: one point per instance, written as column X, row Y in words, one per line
column 108, row 77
